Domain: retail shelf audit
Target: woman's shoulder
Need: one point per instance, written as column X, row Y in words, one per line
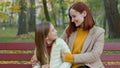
column 97, row 29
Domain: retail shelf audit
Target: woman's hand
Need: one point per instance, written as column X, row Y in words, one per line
column 63, row 57
column 45, row 66
column 33, row 61
column 67, row 57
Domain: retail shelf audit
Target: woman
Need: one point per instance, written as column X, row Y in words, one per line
column 45, row 39
column 85, row 40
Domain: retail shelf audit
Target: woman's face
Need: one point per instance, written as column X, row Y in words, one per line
column 52, row 35
column 77, row 17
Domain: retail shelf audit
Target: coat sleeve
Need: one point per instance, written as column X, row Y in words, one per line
column 64, row 49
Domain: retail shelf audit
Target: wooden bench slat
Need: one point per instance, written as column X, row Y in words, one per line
column 112, row 46
column 16, row 46
column 112, row 66
column 110, row 57
column 25, row 57
column 15, row 66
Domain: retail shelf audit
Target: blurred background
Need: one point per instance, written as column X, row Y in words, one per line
column 19, row 17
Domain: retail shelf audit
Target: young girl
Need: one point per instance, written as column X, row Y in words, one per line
column 45, row 39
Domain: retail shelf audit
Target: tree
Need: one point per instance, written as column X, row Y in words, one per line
column 31, row 22
column 22, row 24
column 63, row 12
column 54, row 11
column 46, row 10
column 113, row 18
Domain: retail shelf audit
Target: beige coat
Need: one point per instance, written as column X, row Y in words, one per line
column 92, row 48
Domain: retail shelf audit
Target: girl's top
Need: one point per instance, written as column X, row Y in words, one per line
column 58, row 47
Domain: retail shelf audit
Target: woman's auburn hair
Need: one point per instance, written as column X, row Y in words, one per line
column 41, row 32
column 88, row 20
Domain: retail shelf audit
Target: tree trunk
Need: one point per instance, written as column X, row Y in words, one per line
column 46, row 10
column 31, row 23
column 53, row 12
column 104, row 23
column 63, row 13
column 113, row 18
column 22, row 24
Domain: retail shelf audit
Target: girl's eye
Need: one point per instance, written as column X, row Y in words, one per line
column 73, row 16
column 53, row 30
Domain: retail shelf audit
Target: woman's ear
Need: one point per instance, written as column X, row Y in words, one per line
column 84, row 13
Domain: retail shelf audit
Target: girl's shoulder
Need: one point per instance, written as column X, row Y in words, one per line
column 60, row 41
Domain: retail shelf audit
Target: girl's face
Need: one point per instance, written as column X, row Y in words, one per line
column 77, row 17
column 52, row 35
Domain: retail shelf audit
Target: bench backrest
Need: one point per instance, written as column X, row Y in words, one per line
column 112, row 46
column 108, row 59
column 111, row 60
column 16, row 59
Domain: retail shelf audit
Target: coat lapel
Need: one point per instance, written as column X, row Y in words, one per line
column 71, row 40
column 88, row 40
column 86, row 43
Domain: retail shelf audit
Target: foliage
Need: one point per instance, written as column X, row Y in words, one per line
column 7, row 3
column 25, row 36
column 4, row 17
column 15, row 8
column 97, row 9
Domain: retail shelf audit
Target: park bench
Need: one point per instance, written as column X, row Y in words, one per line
column 111, row 60
column 20, row 56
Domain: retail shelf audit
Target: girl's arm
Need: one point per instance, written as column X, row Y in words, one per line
column 65, row 48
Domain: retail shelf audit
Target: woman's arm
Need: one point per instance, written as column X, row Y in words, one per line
column 94, row 54
column 35, row 63
column 89, row 56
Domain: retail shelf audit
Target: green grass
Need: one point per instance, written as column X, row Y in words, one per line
column 8, row 32
column 112, row 40
column 13, row 39
column 111, row 52
column 9, row 35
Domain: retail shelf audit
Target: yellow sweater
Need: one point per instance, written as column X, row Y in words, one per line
column 77, row 47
